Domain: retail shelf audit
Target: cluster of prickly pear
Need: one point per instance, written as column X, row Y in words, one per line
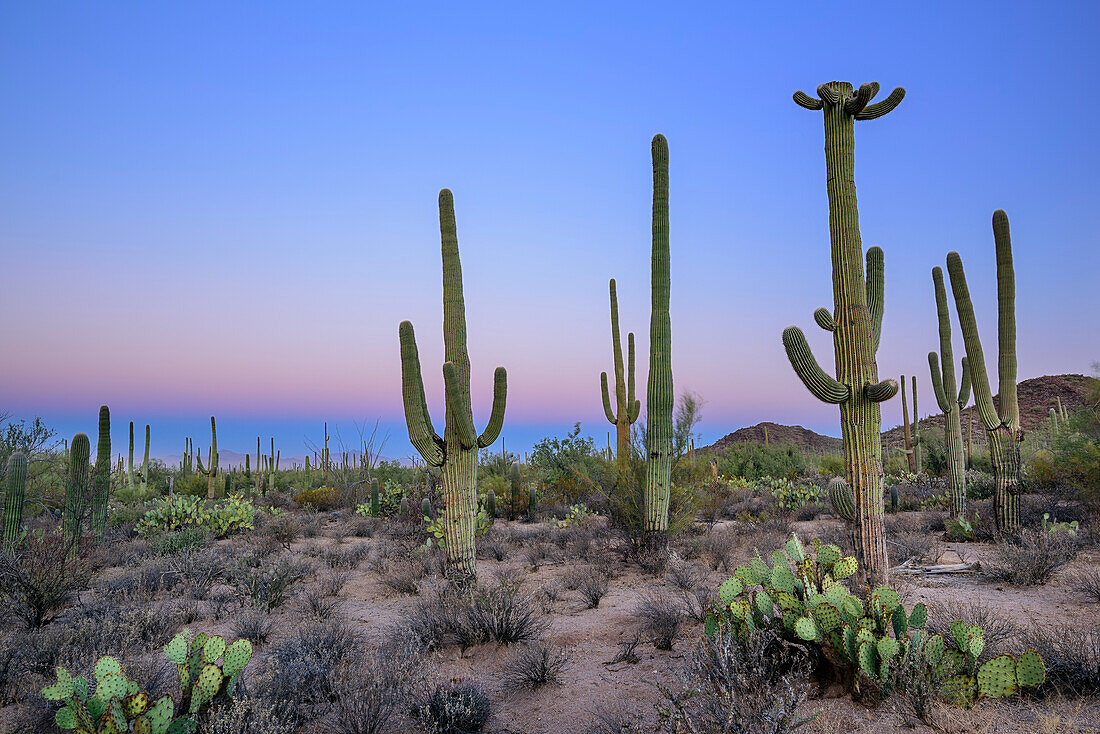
column 966, row 681
column 114, row 705
column 840, row 497
column 202, row 679
column 802, row 597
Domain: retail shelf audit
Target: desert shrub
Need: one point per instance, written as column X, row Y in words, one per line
column 40, row 577
column 1031, row 558
column 1071, row 656
column 559, row 464
column 793, row 495
column 502, row 612
column 169, row 544
column 322, row 498
column 267, row 587
column 1072, row 463
column 199, row 571
column 728, row 686
column 900, row 547
column 252, row 624
column 533, row 666
column 141, row 582
column 831, row 465
column 284, row 529
column 660, row 615
column 1087, row 584
column 590, row 582
column 345, row 557
column 456, row 708
column 300, row 681
column 375, row 691
column 220, row 517
column 333, row 583
column 316, row 605
column 979, row 484
column 756, row 461
column 247, row 715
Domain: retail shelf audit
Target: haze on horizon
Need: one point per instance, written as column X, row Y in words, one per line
column 226, row 210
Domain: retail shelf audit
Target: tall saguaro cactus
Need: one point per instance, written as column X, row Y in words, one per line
column 950, row 401
column 1002, row 425
column 211, row 472
column 626, row 407
column 143, row 486
column 659, row 394
column 856, row 320
column 76, row 485
column 456, row 451
column 16, row 481
column 102, row 482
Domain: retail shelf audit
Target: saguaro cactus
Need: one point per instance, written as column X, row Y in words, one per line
column 211, row 472
column 102, row 474
column 457, row 451
column 856, row 320
column 515, row 481
column 950, row 401
column 912, row 429
column 16, row 481
column 76, row 485
column 626, row 407
column 659, row 394
column 143, row 486
column 1002, row 425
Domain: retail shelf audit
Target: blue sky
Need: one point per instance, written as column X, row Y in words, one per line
column 227, row 208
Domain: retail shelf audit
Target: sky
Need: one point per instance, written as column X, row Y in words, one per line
column 226, row 209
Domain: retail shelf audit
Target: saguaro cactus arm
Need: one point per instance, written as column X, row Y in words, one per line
column 880, row 392
column 964, row 383
column 937, row 382
column 856, row 105
column 881, row 108
column 822, row 386
column 824, row 319
column 1006, row 321
column 875, row 293
column 979, row 378
column 608, row 411
column 460, row 413
column 496, row 416
column 422, row 434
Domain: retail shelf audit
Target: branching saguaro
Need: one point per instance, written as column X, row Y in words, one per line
column 856, row 320
column 659, row 393
column 626, row 407
column 456, row 452
column 1003, row 425
column 950, row 401
column 912, row 429
column 211, row 472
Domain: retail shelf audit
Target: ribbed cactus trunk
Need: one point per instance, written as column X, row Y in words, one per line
column 950, row 401
column 856, row 321
column 626, row 407
column 76, row 485
column 918, row 443
column 102, row 484
column 659, row 392
column 1002, row 423
column 130, row 463
column 456, row 451
column 15, row 480
column 211, row 472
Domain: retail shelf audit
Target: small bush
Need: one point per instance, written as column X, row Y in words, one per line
column 661, row 616
column 40, row 577
column 728, row 686
column 300, row 681
column 254, row 625
column 501, row 613
column 316, row 605
column 169, row 544
column 284, row 530
column 322, row 498
column 247, row 715
column 1087, row 583
column 590, row 582
column 456, row 709
column 535, row 665
column 901, row 547
column 1031, row 558
column 267, row 588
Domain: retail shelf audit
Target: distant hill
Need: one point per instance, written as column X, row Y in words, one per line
column 1036, row 397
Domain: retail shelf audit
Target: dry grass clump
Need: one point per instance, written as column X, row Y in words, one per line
column 591, row 582
column 661, row 615
column 535, row 665
column 1031, row 558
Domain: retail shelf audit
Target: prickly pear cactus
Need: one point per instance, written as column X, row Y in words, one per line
column 201, row 678
column 966, row 680
column 112, row 703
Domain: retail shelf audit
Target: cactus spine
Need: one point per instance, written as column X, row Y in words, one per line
column 102, row 474
column 16, row 481
column 950, row 401
column 1003, row 425
column 856, row 321
column 210, row 472
column 457, row 451
column 626, row 407
column 659, row 391
column 75, row 485
column 144, row 474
